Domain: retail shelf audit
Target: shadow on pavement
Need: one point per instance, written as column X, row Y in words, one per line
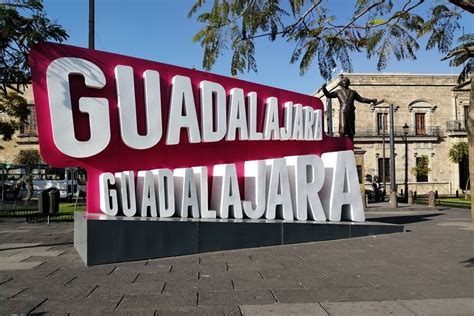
column 468, row 263
column 405, row 219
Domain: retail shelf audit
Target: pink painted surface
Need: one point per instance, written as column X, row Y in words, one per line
column 118, row 157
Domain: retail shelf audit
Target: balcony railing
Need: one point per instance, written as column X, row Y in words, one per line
column 373, row 131
column 456, row 126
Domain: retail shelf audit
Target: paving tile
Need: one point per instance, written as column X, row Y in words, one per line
column 250, row 297
column 138, row 302
column 311, row 295
column 129, row 289
column 18, row 306
column 453, row 306
column 283, row 309
column 71, row 304
column 366, row 308
column 275, row 283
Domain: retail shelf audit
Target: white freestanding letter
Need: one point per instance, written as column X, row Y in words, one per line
column 255, row 188
column 340, row 193
column 185, row 188
column 126, row 184
column 146, row 193
column 278, row 196
column 225, row 197
column 271, row 129
column 164, row 183
column 306, row 175
column 200, row 176
column 108, row 196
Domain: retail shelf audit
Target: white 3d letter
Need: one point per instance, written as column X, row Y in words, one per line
column 252, row 113
column 238, row 116
column 341, row 193
column 128, row 110
column 62, row 122
column 298, row 133
column 271, row 129
column 210, row 92
column 126, row 184
column 225, row 197
column 165, row 189
column 108, row 196
column 255, row 188
column 278, row 196
column 306, row 175
column 286, row 132
column 185, row 188
column 146, row 193
column 182, row 99
column 200, row 175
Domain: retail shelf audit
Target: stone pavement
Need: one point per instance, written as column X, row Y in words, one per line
column 427, row 270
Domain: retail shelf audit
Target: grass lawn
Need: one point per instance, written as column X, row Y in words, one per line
column 449, row 202
column 68, row 208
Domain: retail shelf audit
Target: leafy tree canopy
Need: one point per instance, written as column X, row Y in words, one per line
column 23, row 23
column 380, row 28
column 458, row 152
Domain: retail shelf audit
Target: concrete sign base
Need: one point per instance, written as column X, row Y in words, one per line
column 101, row 239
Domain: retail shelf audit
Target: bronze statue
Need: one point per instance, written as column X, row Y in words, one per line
column 346, row 99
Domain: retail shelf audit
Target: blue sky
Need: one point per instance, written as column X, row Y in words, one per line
column 159, row 30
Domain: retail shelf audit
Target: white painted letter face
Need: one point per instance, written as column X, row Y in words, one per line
column 210, row 92
column 62, row 122
column 341, row 193
column 128, row 112
column 108, row 196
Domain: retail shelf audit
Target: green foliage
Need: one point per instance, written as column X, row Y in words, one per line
column 29, row 158
column 23, row 23
column 458, row 152
column 16, row 109
column 422, row 167
column 463, row 55
column 381, row 28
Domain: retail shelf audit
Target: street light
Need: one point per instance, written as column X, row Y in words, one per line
column 405, row 138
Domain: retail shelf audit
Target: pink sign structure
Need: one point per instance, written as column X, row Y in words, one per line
column 110, row 113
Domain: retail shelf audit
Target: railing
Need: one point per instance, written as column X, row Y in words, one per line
column 456, row 126
column 373, row 131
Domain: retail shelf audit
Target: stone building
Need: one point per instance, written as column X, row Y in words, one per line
column 434, row 107
column 25, row 138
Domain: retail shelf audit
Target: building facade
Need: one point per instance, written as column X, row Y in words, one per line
column 25, row 138
column 435, row 109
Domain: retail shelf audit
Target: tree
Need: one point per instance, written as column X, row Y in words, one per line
column 23, row 24
column 29, row 159
column 458, row 152
column 381, row 28
column 422, row 167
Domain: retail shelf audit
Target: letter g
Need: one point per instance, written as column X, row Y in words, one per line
column 62, row 122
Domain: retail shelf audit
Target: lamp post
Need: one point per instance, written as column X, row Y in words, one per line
column 405, row 138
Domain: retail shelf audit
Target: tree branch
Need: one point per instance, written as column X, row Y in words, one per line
column 358, row 16
column 466, row 5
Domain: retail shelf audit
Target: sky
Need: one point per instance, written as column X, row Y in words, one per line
column 159, row 30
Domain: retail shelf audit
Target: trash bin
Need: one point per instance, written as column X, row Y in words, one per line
column 53, row 201
column 48, row 201
column 43, row 202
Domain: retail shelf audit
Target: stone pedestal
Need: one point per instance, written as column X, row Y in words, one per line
column 101, row 239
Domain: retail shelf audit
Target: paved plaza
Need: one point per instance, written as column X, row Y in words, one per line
column 428, row 270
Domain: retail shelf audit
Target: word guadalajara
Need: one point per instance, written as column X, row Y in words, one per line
column 222, row 116
column 305, row 187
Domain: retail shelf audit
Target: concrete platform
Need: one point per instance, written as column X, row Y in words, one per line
column 101, row 239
